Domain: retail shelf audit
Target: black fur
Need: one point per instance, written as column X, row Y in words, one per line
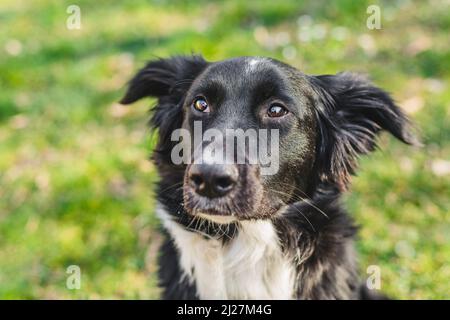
column 334, row 119
column 180, row 289
column 354, row 112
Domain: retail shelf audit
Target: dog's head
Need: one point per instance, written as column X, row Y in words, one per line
column 312, row 129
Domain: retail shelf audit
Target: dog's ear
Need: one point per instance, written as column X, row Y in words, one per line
column 168, row 80
column 350, row 114
column 164, row 77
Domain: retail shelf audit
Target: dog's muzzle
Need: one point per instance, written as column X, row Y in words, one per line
column 222, row 190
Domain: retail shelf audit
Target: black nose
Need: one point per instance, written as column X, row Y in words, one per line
column 212, row 180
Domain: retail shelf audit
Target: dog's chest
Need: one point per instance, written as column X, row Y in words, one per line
column 250, row 266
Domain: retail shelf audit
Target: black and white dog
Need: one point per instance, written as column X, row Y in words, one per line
column 233, row 233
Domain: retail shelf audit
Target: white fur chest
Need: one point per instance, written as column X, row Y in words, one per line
column 250, row 266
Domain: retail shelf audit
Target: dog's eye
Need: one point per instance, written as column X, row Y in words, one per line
column 201, row 105
column 276, row 111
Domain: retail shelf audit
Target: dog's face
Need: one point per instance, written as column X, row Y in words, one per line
column 321, row 124
column 251, row 95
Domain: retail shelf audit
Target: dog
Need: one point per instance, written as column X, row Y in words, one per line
column 233, row 233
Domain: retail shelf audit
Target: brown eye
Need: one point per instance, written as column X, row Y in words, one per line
column 201, row 105
column 276, row 111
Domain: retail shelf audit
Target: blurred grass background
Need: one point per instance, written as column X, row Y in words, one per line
column 75, row 182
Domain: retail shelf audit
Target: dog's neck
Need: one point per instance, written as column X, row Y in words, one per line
column 251, row 265
column 289, row 256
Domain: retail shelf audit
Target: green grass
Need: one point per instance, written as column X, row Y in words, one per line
column 75, row 183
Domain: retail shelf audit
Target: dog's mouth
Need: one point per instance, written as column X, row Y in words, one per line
column 227, row 194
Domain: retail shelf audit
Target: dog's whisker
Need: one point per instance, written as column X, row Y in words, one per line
column 178, row 184
column 298, row 210
column 304, row 216
column 306, row 199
